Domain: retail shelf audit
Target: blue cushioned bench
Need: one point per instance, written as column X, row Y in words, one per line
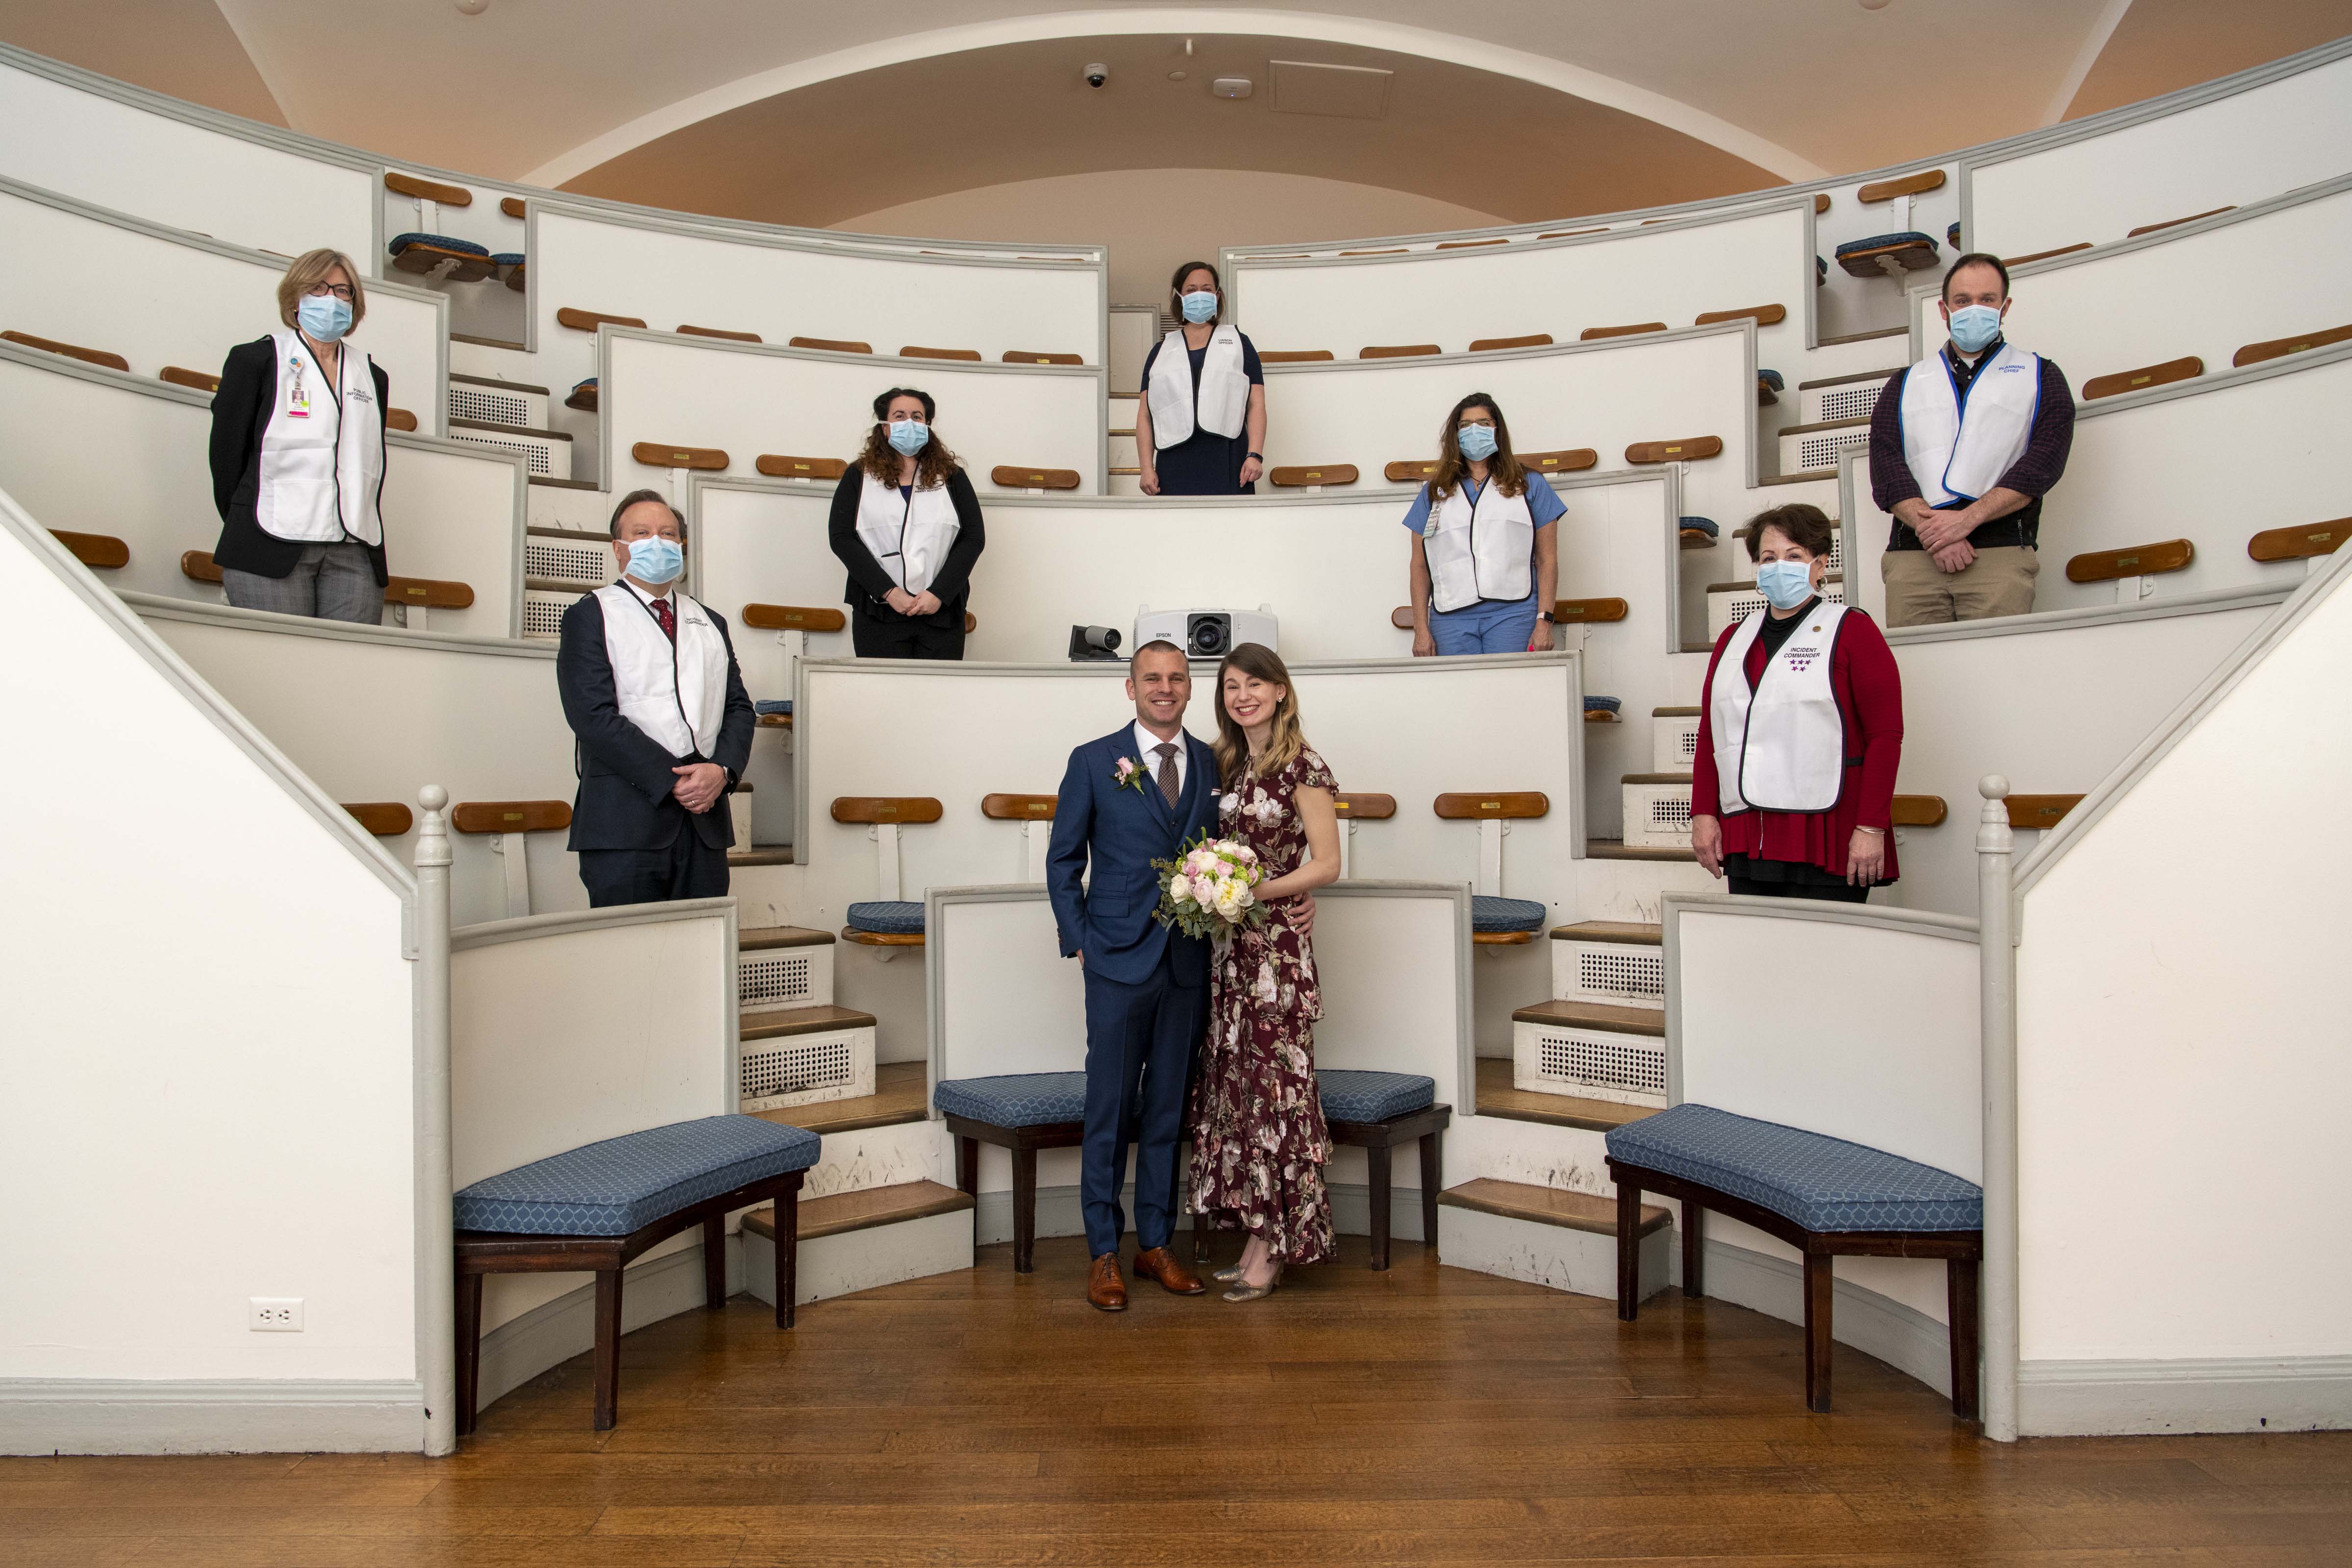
column 1023, row 1112
column 1492, row 916
column 1890, row 254
column 1824, row 1196
column 421, row 253
column 598, row 1207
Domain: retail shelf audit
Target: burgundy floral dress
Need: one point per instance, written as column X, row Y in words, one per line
column 1259, row 1144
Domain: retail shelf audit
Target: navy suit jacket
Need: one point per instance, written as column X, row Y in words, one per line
column 625, row 800
column 1122, row 831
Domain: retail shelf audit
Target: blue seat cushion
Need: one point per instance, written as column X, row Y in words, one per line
column 888, row 917
column 1353, row 1094
column 401, row 242
column 577, row 386
column 1015, row 1099
column 1705, row 525
column 1603, row 704
column 1491, row 914
column 1772, row 379
column 1822, row 1184
column 1883, row 241
column 506, row 257
column 1820, row 267
column 1952, row 235
column 624, row 1184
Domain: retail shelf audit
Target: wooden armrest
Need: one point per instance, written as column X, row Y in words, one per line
column 510, row 815
column 589, row 320
column 1394, row 350
column 971, row 623
column 385, row 818
column 2014, row 261
column 1410, row 469
column 99, row 552
column 430, row 190
column 795, row 617
column 196, row 566
column 1329, row 474
column 1018, row 807
column 1589, row 610
column 2278, row 348
column 1764, row 315
column 1401, row 618
column 202, row 380
column 778, row 466
column 1687, row 449
column 2134, row 561
column 1025, row 356
column 71, row 351
column 1297, row 356
column 1015, row 479
column 721, row 332
column 511, row 205
column 431, row 593
column 1902, row 185
column 912, row 352
column 1502, row 803
column 1591, row 333
column 655, row 455
column 1560, row 462
column 1919, row 810
column 2171, row 370
column 399, row 419
column 1532, row 341
column 1468, row 244
column 2300, row 543
column 887, row 808
column 1821, row 202
column 2176, row 222
column 2040, row 810
column 1360, row 807
column 837, row 345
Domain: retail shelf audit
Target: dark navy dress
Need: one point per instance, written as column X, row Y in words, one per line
column 1205, row 463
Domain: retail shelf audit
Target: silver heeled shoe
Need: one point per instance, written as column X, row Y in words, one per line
column 1253, row 1292
column 1227, row 1276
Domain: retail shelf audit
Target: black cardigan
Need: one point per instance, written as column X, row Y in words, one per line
column 248, row 391
column 868, row 582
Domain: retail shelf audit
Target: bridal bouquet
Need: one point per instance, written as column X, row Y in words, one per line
column 1207, row 891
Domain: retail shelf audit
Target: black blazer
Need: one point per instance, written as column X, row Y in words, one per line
column 248, row 391
column 867, row 580
column 625, row 800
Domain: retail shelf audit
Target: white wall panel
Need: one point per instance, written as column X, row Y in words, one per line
column 2237, row 148
column 749, row 400
column 1004, row 998
column 183, row 171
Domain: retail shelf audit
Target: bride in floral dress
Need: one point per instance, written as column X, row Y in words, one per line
column 1259, row 1144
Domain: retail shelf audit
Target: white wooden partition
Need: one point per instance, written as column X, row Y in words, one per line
column 158, row 296
column 1670, row 272
column 2240, row 139
column 2267, row 270
column 373, row 713
column 124, row 148
column 751, row 399
column 96, row 451
column 1410, row 728
column 672, row 271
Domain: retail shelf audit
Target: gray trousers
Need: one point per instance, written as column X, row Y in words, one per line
column 329, row 583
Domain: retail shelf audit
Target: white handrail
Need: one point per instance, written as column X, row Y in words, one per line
column 1997, row 961
column 436, row 1338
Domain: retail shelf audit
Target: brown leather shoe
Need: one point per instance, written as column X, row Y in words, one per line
column 1161, row 1264
column 1105, row 1291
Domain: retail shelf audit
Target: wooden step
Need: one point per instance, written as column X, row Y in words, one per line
column 1655, row 778
column 1615, row 849
column 1498, row 1098
column 902, row 1092
column 775, row 1023
column 761, row 855
column 863, row 1209
column 1565, row 1015
column 1675, row 712
column 759, row 939
column 1630, row 932
column 1545, row 1205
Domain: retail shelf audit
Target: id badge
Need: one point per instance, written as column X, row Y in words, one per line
column 1429, row 529
column 298, row 395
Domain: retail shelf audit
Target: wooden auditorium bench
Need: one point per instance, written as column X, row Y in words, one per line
column 662, row 455
column 1906, row 249
column 1491, row 345
column 1017, row 476
column 777, row 466
column 832, row 345
column 1035, row 815
column 1690, row 448
column 2146, row 376
column 1413, row 470
column 465, row 262
column 1824, row 1196
column 71, row 351
column 2039, row 811
column 721, row 332
column 1296, row 356
column 599, row 1206
column 511, row 820
column 1634, row 329
column 1301, row 477
column 1762, row 315
column 383, row 818
column 1394, row 350
column 2177, row 222
column 2313, row 542
column 887, row 922
column 2278, row 348
column 99, row 551
column 913, row 352
column 1027, row 356
column 2130, row 568
column 1496, row 920
column 589, row 320
column 202, row 380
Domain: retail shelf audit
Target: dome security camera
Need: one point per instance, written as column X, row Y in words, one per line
column 1097, row 74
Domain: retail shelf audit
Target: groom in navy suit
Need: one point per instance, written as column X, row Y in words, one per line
column 1130, row 798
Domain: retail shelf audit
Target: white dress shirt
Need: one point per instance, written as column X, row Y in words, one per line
column 1149, row 758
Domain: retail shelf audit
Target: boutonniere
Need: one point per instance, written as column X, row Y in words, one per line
column 1125, row 774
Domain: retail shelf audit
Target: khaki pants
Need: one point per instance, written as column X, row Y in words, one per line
column 1999, row 582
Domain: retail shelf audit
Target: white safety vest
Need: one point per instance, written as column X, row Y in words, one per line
column 910, row 535
column 322, row 451
column 1958, row 448
column 676, row 693
column 1781, row 745
column 1224, row 387
column 1482, row 552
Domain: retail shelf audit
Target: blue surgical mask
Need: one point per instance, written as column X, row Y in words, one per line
column 1477, row 441
column 1200, row 306
column 1788, row 583
column 656, row 559
column 1974, row 326
column 910, row 436
column 324, row 317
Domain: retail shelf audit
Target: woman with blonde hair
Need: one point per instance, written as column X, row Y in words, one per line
column 906, row 524
column 298, row 455
column 1259, row 1143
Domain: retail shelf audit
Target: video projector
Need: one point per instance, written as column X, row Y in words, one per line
column 1207, row 634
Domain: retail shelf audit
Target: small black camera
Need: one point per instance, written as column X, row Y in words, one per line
column 1094, row 645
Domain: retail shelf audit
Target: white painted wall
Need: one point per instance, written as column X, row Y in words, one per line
column 227, row 1101
column 2181, row 1048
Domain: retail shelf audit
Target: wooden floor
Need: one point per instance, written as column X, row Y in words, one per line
column 1426, row 1416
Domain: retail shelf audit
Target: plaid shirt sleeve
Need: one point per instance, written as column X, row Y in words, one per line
column 2043, row 460
column 1890, row 472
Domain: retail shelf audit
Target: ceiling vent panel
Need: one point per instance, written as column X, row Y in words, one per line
column 1346, row 92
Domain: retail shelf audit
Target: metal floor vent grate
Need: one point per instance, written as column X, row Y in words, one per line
column 773, row 981
column 542, row 615
column 1850, row 402
column 1822, row 451
column 489, row 408
column 796, row 1067
column 1642, row 975
column 1670, row 812
column 1622, row 1065
column 534, row 458
column 1687, row 745
column 575, row 562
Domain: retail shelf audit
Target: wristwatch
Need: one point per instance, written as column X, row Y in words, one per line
column 1257, row 457
column 1545, row 615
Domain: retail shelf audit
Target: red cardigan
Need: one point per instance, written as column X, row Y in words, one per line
column 1869, row 691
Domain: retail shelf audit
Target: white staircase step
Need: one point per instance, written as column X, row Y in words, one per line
column 1674, row 738
column 859, row 1240
column 1615, row 883
column 782, row 966
column 1808, row 446
column 805, row 1056
column 1546, row 1236
column 546, row 453
column 1593, row 1050
column 1617, row 962
column 1658, row 810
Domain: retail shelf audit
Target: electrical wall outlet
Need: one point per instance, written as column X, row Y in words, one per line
column 274, row 1314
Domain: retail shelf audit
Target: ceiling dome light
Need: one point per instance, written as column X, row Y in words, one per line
column 1872, row 5
column 476, row 8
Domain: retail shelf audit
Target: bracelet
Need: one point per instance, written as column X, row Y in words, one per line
column 1881, row 832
